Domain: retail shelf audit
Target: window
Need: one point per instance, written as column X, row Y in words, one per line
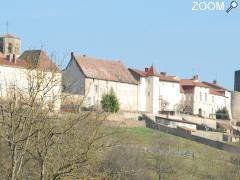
column 10, row 48
column 212, row 99
column 200, row 96
column 205, row 97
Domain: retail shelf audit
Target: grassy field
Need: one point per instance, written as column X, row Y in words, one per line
column 196, row 161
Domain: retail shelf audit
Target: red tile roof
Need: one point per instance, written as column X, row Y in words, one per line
column 18, row 63
column 190, row 82
column 150, row 71
column 8, row 36
column 215, row 92
column 104, row 69
column 29, row 58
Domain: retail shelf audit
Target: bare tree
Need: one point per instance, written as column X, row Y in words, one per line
column 40, row 143
column 164, row 105
column 185, row 106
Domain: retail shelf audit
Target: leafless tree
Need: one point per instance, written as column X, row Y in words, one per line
column 185, row 106
column 39, row 143
column 164, row 105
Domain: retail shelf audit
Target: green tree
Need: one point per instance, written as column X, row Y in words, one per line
column 110, row 102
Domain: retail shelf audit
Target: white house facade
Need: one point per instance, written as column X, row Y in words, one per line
column 31, row 70
column 157, row 92
column 203, row 98
column 92, row 78
column 143, row 90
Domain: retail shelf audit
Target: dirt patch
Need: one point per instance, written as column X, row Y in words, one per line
column 125, row 119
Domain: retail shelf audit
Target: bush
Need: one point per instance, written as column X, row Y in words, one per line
column 222, row 114
column 110, row 102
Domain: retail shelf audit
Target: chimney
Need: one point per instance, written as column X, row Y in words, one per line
column 215, row 82
column 163, row 73
column 195, row 77
column 146, row 69
column 72, row 54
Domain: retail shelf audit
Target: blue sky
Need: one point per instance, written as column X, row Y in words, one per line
column 167, row 34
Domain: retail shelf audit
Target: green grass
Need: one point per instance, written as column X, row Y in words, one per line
column 207, row 160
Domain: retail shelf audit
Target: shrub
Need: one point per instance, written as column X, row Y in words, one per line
column 110, row 102
column 222, row 114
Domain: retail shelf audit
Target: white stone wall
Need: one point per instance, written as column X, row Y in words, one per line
column 170, row 92
column 209, row 103
column 19, row 80
column 153, row 92
column 153, row 95
column 126, row 93
column 142, row 94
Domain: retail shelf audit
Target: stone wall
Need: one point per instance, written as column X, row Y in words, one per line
column 187, row 134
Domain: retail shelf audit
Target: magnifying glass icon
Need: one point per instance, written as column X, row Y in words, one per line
column 233, row 5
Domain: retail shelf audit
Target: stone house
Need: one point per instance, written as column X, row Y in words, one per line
column 32, row 67
column 204, row 98
column 157, row 91
column 92, row 78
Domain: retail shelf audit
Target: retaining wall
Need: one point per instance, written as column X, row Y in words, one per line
column 187, row 134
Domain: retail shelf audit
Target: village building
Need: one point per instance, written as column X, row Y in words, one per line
column 20, row 72
column 158, row 92
column 143, row 90
column 10, row 45
column 92, row 78
column 203, row 98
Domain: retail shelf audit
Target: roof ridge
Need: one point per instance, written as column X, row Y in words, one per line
column 110, row 70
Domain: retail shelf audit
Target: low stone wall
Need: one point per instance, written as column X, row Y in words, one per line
column 209, row 122
column 187, row 134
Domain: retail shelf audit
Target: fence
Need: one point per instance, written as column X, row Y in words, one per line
column 187, row 134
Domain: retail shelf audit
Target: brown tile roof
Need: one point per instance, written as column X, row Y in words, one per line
column 31, row 58
column 215, row 92
column 190, row 82
column 216, row 86
column 139, row 72
column 151, row 71
column 18, row 63
column 8, row 36
column 167, row 78
column 104, row 69
column 39, row 59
